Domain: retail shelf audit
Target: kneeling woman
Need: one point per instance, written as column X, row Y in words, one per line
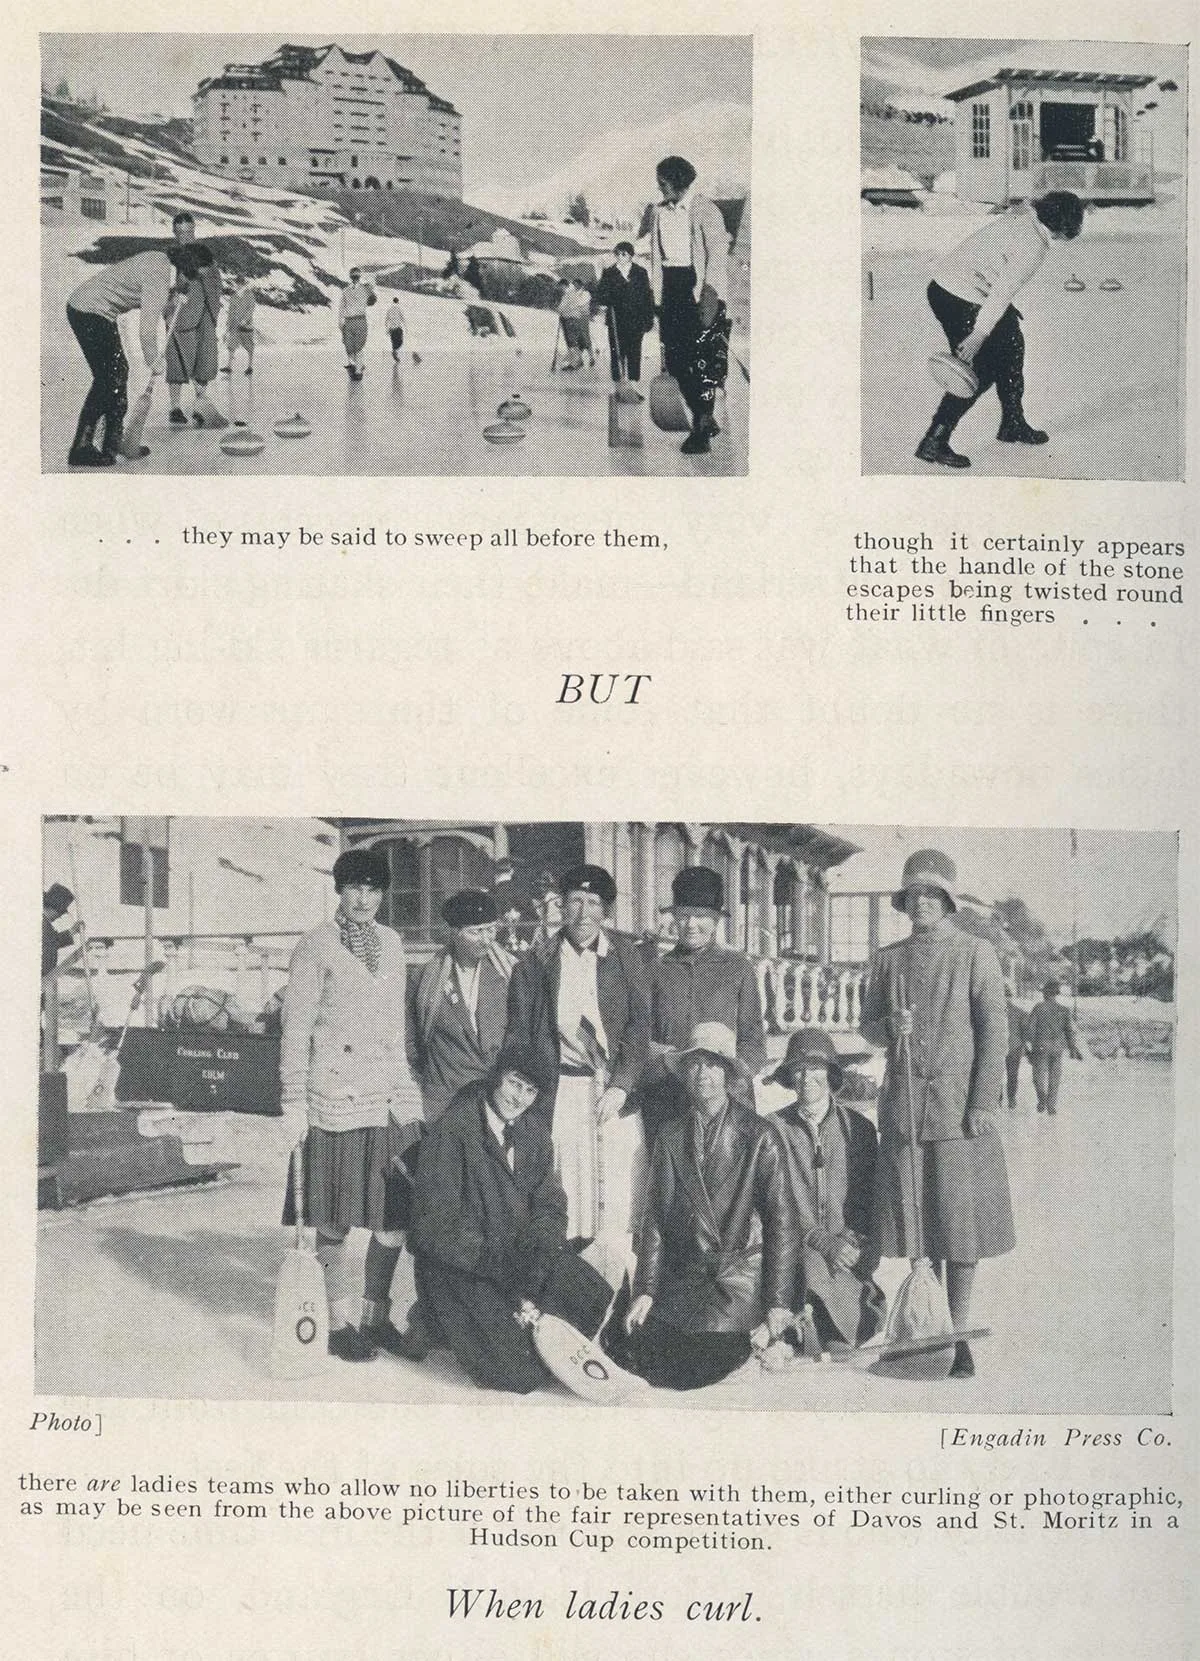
column 346, row 1083
column 489, row 1230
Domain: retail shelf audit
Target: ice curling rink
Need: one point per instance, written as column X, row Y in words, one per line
column 170, row 1294
column 1103, row 368
column 406, row 419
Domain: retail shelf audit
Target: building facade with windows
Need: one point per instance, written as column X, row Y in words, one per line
column 319, row 115
column 1024, row 132
column 230, row 897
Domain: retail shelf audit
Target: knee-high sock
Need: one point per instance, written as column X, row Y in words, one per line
column 331, row 1254
column 383, row 1254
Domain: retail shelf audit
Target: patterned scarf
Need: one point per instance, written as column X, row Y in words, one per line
column 361, row 940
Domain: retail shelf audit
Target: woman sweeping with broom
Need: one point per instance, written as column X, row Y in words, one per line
column 936, row 1001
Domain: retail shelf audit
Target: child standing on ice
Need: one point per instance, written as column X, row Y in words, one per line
column 971, row 296
column 239, row 327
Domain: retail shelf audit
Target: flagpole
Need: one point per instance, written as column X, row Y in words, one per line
column 1074, row 924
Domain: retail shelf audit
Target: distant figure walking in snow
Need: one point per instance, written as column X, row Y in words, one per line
column 352, row 319
column 239, row 327
column 394, row 323
column 1049, row 1030
column 972, row 296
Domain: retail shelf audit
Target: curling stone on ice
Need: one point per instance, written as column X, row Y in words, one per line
column 242, row 441
column 294, row 427
column 1110, row 285
column 1073, row 285
column 504, row 432
column 514, row 409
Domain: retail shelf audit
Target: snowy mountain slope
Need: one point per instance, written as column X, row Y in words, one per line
column 615, row 173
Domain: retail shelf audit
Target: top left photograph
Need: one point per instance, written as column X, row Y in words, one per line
column 417, row 255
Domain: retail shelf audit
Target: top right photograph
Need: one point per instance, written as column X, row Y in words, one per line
column 1024, row 218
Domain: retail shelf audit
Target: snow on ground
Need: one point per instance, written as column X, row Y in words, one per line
column 170, row 1295
column 1103, row 369
column 410, row 419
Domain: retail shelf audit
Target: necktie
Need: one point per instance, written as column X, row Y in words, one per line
column 510, row 1144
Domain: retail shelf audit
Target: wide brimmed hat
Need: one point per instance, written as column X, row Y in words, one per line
column 699, row 887
column 933, row 868
column 468, row 908
column 710, row 1038
column 813, row 1044
column 589, row 879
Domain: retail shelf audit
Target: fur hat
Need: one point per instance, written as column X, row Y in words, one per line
column 589, row 879
column 469, row 907
column 933, row 868
column 362, row 865
column 699, row 887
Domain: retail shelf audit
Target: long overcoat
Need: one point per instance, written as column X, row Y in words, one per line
column 623, row 998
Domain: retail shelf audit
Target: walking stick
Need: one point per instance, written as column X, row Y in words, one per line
column 93, row 1005
column 920, row 1315
column 904, row 1047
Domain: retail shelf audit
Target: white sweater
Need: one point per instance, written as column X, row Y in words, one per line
column 994, row 263
column 343, row 1045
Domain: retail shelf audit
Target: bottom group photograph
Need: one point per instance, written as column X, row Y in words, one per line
column 615, row 1115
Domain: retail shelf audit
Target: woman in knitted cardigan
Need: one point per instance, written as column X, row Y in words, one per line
column 349, row 1098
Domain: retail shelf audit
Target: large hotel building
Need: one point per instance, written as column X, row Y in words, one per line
column 319, row 115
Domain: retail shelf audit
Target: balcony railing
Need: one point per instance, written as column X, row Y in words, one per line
column 797, row 994
column 1095, row 181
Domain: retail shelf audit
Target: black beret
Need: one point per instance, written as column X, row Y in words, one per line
column 468, row 907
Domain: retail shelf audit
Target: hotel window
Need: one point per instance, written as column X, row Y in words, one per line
column 850, row 928
column 981, row 132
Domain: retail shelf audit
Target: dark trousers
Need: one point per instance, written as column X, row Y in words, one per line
column 999, row 362
column 677, row 1360
column 625, row 349
column 108, row 396
column 680, row 329
column 476, row 1317
column 1012, row 1067
column 397, row 337
column 1047, row 1072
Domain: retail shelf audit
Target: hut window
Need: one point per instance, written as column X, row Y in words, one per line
column 981, row 132
column 1022, row 136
